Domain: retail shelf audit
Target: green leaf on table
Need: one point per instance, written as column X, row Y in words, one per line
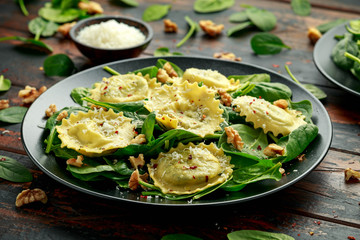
column 164, row 51
column 208, row 6
column 323, row 28
column 37, row 44
column 131, row 3
column 267, row 43
column 238, row 28
column 194, row 27
column 23, row 7
column 59, row 15
column 261, row 18
column 13, row 171
column 5, row 83
column 155, row 12
column 301, row 7
column 178, row 236
column 40, row 27
column 255, row 235
column 239, row 17
column 13, row 114
column 58, row 65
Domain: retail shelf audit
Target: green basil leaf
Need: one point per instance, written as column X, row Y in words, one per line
column 267, row 43
column 261, row 18
column 13, row 171
column 194, row 27
column 40, row 27
column 13, row 114
column 208, row 6
column 301, row 7
column 323, row 28
column 32, row 42
column 155, row 12
column 255, row 235
column 239, row 17
column 58, row 65
column 5, row 83
column 238, row 28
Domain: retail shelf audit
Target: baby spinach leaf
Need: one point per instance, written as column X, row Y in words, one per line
column 5, row 83
column 164, row 51
column 301, row 7
column 179, row 237
column 252, row 78
column 119, row 166
column 323, row 28
column 58, row 65
column 148, row 127
column 255, row 234
column 238, row 28
column 77, row 94
column 260, row 171
column 13, row 171
column 261, row 18
column 118, row 107
column 155, row 12
column 152, row 71
column 355, row 70
column 59, row 15
column 208, row 6
column 40, row 27
column 13, row 114
column 304, row 107
column 194, row 27
column 131, row 3
column 161, row 62
column 267, row 43
column 270, row 91
column 37, row 44
column 238, row 17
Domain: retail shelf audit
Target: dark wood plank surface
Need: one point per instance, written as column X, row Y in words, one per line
column 321, row 203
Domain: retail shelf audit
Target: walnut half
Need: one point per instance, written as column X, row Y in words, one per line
column 272, row 150
column 28, row 196
column 4, row 103
column 210, row 28
column 349, row 174
column 225, row 98
column 29, row 94
column 234, row 138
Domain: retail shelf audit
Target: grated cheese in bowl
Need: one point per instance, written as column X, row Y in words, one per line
column 111, row 35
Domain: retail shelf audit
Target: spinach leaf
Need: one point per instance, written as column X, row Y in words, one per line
column 131, row 3
column 270, row 91
column 355, row 70
column 262, row 19
column 77, row 94
column 179, row 237
column 152, row 71
column 304, row 107
column 148, row 127
column 13, row 114
column 301, row 7
column 208, row 6
column 40, row 27
column 161, row 62
column 238, row 28
column 119, row 166
column 13, row 171
column 37, row 44
column 267, row 43
column 5, row 83
column 118, row 107
column 194, row 27
column 252, row 78
column 164, row 51
column 58, row 65
column 338, row 53
column 323, row 28
column 155, row 12
column 59, row 15
column 238, row 17
column 255, row 234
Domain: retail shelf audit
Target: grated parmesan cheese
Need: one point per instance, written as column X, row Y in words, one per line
column 111, row 34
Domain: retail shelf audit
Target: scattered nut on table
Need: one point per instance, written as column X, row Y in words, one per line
column 30, row 94
column 65, row 28
column 351, row 174
column 234, row 138
column 4, row 103
column 170, row 26
column 28, row 196
column 91, row 7
column 210, row 28
column 314, row 35
column 227, row 56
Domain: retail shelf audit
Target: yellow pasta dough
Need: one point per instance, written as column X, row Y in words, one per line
column 265, row 115
column 96, row 133
column 190, row 168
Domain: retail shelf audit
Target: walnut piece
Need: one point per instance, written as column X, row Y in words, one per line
column 65, row 28
column 272, row 150
column 170, row 26
column 170, row 70
column 29, row 94
column 313, row 34
column 210, row 28
column 234, row 138
column 225, row 98
column 29, row 196
column 281, row 170
column 78, row 162
column 227, row 56
column 4, row 103
column 349, row 174
column 139, row 139
column 137, row 162
column 134, row 179
column 51, row 110
column 62, row 115
column 281, row 103
column 91, row 7
column 162, row 76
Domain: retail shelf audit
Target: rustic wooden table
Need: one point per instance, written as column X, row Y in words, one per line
column 320, row 206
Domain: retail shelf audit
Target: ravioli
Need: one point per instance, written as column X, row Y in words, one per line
column 123, row 88
column 265, row 115
column 186, row 106
column 96, row 133
column 190, row 168
column 210, row 78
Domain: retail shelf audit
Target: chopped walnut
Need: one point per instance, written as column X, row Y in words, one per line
column 281, row 103
column 281, row 170
column 29, row 196
column 134, row 179
column 301, row 157
column 210, row 28
column 65, row 28
column 91, row 7
column 170, row 70
column 234, row 138
column 137, row 162
column 93, row 107
column 62, row 115
column 162, row 76
column 227, row 56
column 78, row 162
column 351, row 174
column 29, row 94
column 225, row 98
column 170, row 26
column 139, row 139
column 313, row 34
column 51, row 110
column 4, row 103
column 272, row 150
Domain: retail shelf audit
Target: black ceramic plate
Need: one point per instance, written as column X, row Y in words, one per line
column 323, row 62
column 59, row 94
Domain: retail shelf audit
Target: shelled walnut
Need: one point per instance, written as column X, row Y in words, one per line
column 65, row 28
column 28, row 196
column 273, row 149
column 234, row 138
column 78, row 162
column 135, row 178
column 225, row 97
column 137, row 162
column 313, row 34
column 210, row 28
column 4, row 103
column 50, row 110
column 62, row 115
column 29, row 94
column 91, row 7
column 227, row 56
column 139, row 139
column 170, row 26
column 351, row 174
column 281, row 103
